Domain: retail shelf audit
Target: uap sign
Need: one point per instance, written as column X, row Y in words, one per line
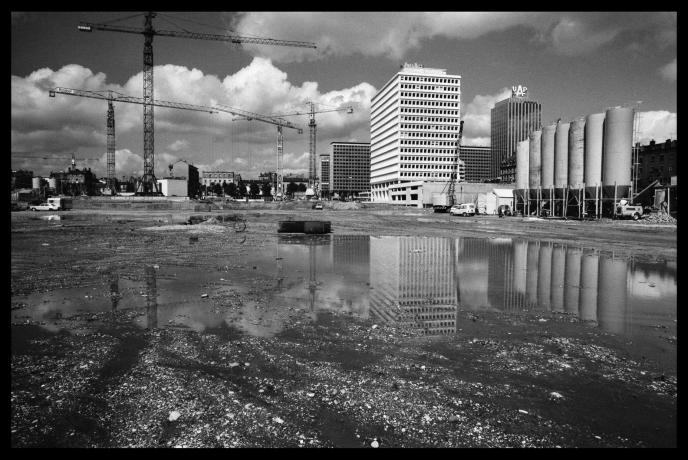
column 519, row 91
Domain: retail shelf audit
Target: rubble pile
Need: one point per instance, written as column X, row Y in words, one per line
column 658, row 218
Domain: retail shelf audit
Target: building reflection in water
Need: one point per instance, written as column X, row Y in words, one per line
column 415, row 282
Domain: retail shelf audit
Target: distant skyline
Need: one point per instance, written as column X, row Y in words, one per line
column 574, row 64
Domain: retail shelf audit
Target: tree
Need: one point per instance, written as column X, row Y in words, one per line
column 217, row 189
column 241, row 189
column 292, row 188
column 266, row 189
column 231, row 190
column 301, row 187
column 254, row 189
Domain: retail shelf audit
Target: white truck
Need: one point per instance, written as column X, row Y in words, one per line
column 627, row 211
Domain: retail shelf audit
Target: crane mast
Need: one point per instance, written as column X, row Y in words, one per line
column 111, row 146
column 148, row 183
column 312, row 127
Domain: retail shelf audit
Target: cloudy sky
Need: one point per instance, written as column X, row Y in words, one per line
column 573, row 63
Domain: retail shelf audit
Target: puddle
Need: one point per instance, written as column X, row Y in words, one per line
column 410, row 281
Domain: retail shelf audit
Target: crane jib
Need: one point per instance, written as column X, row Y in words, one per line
column 89, row 27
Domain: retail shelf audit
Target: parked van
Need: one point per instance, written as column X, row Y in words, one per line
column 464, row 209
column 61, row 203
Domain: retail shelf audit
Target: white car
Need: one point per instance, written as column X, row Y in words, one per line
column 44, row 207
column 465, row 209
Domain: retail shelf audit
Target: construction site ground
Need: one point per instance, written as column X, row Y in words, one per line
column 507, row 379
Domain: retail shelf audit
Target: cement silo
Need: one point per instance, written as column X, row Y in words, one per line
column 572, row 284
column 594, row 135
column 547, row 156
column 561, row 154
column 558, row 271
column 35, row 182
column 618, row 143
column 52, row 183
column 612, row 294
column 532, row 273
column 534, row 160
column 576, row 153
column 544, row 275
column 522, row 168
column 588, row 283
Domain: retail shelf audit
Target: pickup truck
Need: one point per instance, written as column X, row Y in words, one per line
column 628, row 211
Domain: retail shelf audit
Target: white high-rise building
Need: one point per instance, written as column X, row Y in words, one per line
column 414, row 126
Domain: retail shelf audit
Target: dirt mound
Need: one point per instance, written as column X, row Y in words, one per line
column 658, row 218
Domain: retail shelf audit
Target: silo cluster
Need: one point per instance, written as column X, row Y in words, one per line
column 588, row 158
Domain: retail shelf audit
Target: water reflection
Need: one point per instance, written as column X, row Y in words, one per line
column 151, row 298
column 410, row 281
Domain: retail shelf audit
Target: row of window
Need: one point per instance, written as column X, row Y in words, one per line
column 407, row 102
column 430, row 111
column 429, row 79
column 424, row 158
column 431, row 119
column 424, row 174
column 422, row 150
column 437, row 143
column 422, row 134
column 431, row 167
column 430, row 95
column 430, row 88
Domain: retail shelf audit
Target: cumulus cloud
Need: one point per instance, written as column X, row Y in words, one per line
column 659, row 125
column 476, row 125
column 179, row 144
column 65, row 123
column 668, row 72
column 394, row 34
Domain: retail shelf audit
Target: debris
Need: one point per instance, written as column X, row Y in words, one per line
column 375, row 444
column 45, row 244
column 374, row 326
column 523, row 411
column 278, row 420
column 174, row 415
column 555, row 395
column 203, row 296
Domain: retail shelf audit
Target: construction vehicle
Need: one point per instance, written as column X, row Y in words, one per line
column 148, row 183
column 442, row 202
column 628, row 211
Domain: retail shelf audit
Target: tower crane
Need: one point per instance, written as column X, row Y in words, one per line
column 279, row 193
column 113, row 96
column 312, row 178
column 148, row 183
column 72, row 158
column 450, row 188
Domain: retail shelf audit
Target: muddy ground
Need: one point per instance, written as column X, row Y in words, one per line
column 505, row 379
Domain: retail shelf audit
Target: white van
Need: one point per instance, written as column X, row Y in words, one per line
column 464, row 209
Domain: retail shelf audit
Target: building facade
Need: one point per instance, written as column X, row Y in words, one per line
column 211, row 178
column 477, row 161
column 511, row 121
column 350, row 168
column 656, row 162
column 325, row 174
column 414, row 125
